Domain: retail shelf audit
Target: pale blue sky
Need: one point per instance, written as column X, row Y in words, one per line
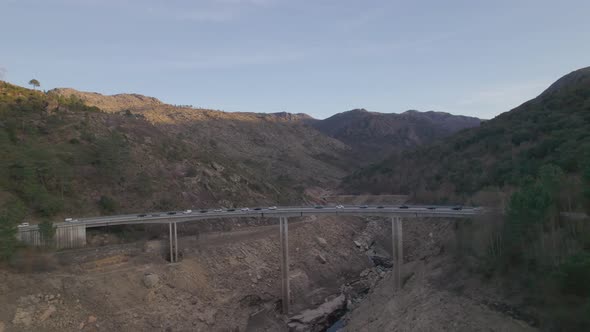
column 320, row 57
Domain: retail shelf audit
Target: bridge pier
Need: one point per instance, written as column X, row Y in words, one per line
column 172, row 229
column 397, row 251
column 284, row 239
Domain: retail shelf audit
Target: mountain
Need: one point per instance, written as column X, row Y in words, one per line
column 73, row 153
column 375, row 135
column 69, row 152
column 553, row 128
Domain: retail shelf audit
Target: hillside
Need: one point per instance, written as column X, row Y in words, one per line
column 63, row 156
column 533, row 164
column 374, row 135
column 553, row 128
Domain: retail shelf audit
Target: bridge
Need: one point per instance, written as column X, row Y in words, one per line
column 72, row 233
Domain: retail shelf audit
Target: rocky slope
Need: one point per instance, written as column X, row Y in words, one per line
column 63, row 155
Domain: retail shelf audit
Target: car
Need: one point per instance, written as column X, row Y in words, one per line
column 431, row 208
column 141, row 215
column 364, row 206
column 340, row 206
column 24, row 224
column 404, row 207
column 218, row 210
column 457, row 208
column 272, row 208
column 155, row 214
column 245, row 209
column 319, row 206
column 171, row 213
column 203, row 211
column 230, row 210
column 68, row 219
column 188, row 211
column 258, row 208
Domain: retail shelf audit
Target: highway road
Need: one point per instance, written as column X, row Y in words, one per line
column 270, row 212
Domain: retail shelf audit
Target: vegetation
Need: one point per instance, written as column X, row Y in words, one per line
column 11, row 213
column 537, row 156
column 34, row 83
column 553, row 128
column 47, row 232
column 107, row 204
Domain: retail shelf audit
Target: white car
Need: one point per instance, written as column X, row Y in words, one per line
column 272, row 208
column 218, row 210
column 68, row 219
column 340, row 206
column 24, row 224
column 188, row 211
column 245, row 209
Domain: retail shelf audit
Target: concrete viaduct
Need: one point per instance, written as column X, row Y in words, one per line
column 72, row 234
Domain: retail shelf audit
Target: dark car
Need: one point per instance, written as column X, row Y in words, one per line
column 404, row 207
column 230, row 210
column 364, row 206
column 155, row 215
column 319, row 207
column 203, row 211
column 457, row 208
column 381, row 207
column 141, row 215
column 171, row 212
column 258, row 209
column 431, row 208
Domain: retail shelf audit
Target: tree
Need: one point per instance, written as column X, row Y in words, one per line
column 11, row 214
column 34, row 83
column 586, row 193
column 107, row 204
column 47, row 232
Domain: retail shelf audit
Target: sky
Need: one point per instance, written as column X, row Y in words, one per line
column 320, row 57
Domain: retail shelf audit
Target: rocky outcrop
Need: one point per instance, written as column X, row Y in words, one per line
column 320, row 318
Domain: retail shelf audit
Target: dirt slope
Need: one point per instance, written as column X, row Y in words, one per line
column 422, row 306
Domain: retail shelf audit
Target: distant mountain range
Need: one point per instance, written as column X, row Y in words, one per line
column 375, row 135
column 369, row 135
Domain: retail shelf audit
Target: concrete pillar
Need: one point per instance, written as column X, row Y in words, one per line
column 171, row 239
column 175, row 243
column 397, row 251
column 284, row 237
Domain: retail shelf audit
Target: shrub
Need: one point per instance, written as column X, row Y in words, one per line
column 574, row 275
column 107, row 204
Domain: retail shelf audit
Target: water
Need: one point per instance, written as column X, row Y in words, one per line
column 336, row 326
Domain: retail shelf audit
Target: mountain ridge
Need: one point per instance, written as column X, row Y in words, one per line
column 553, row 128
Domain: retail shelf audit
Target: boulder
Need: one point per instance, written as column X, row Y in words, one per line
column 150, row 280
column 322, row 241
column 382, row 261
column 320, row 318
column 321, row 259
column 207, row 316
column 47, row 313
